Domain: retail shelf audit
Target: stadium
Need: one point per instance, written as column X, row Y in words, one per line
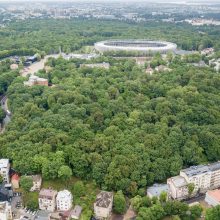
column 146, row 47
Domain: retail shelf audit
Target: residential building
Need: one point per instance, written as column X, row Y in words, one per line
column 200, row 176
column 207, row 51
column 76, row 213
column 4, row 169
column 15, row 181
column 5, row 211
column 47, row 199
column 14, row 66
column 35, row 80
column 213, row 197
column 103, row 205
column 6, row 192
column 178, row 187
column 203, row 177
column 149, row 70
column 64, row 200
column 96, row 65
column 215, row 175
column 37, row 181
column 162, row 68
column 156, row 190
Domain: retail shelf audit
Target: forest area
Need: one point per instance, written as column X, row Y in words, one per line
column 120, row 128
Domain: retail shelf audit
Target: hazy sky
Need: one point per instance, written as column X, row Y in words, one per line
column 113, row 0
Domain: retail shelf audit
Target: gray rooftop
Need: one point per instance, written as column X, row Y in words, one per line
column 196, row 170
column 157, row 189
column 104, row 199
column 214, row 166
column 179, row 181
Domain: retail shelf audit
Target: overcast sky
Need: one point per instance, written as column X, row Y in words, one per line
column 113, row 1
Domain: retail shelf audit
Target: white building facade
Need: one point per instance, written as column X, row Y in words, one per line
column 64, row 200
column 4, row 170
column 5, row 211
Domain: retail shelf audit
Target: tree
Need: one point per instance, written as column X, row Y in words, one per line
column 64, row 172
column 163, row 197
column 2, row 115
column 213, row 213
column 119, row 204
column 191, row 188
column 78, row 189
column 26, row 183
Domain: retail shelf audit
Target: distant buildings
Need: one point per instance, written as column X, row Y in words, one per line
column 162, row 68
column 14, row 66
column 215, row 63
column 35, row 80
column 4, row 170
column 203, row 178
column 47, row 199
column 207, row 51
column 64, row 200
column 96, row 65
column 103, row 205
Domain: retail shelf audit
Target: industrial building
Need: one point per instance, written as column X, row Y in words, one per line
column 145, row 47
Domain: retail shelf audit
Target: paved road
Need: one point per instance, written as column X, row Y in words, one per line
column 35, row 67
column 4, row 105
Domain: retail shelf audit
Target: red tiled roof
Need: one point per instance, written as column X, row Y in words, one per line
column 15, row 177
column 215, row 194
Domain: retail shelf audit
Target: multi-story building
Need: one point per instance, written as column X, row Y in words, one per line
column 200, row 176
column 5, row 211
column 178, row 187
column 103, row 205
column 203, row 177
column 4, row 169
column 47, row 199
column 215, row 175
column 64, row 200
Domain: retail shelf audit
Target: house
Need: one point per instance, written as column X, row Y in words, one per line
column 64, row 200
column 96, row 65
column 14, row 66
column 5, row 211
column 103, row 205
column 35, row 80
column 76, row 213
column 177, row 187
column 4, row 169
column 212, row 197
column 149, row 70
column 15, row 181
column 156, row 190
column 207, row 51
column 42, row 215
column 37, row 181
column 31, row 59
column 47, row 199
column 162, row 68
